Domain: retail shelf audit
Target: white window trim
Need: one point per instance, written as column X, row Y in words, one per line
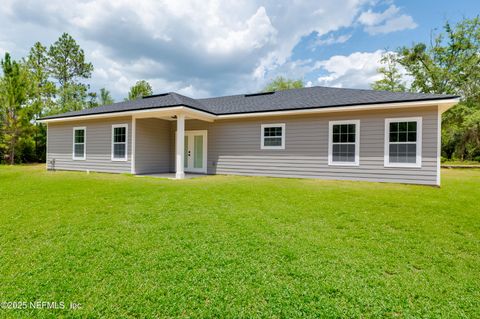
column 418, row 162
column 266, row 147
column 126, row 142
column 357, row 143
column 84, row 157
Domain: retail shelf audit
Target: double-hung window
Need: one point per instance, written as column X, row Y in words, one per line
column 273, row 137
column 343, row 142
column 79, row 147
column 403, row 142
column 119, row 142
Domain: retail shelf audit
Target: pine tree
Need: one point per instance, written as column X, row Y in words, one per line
column 392, row 78
column 140, row 89
column 15, row 86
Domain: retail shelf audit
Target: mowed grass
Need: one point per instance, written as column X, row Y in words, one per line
column 238, row 247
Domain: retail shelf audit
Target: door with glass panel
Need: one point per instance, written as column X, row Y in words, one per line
column 195, row 160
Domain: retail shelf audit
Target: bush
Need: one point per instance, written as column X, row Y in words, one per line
column 25, row 151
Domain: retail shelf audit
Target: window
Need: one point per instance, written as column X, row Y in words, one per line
column 273, row 137
column 403, row 143
column 343, row 142
column 79, row 149
column 119, row 142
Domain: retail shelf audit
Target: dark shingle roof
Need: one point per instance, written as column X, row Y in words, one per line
column 295, row 99
column 152, row 102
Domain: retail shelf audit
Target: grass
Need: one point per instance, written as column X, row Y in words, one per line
column 224, row 246
column 460, row 163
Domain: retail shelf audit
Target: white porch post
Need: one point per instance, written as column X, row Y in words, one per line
column 180, row 147
column 134, row 129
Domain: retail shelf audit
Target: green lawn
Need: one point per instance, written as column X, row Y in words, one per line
column 223, row 246
column 461, row 163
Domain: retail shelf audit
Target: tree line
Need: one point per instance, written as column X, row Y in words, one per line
column 47, row 81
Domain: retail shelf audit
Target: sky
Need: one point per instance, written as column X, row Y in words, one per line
column 204, row 48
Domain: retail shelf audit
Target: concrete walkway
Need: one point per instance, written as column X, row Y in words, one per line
column 171, row 175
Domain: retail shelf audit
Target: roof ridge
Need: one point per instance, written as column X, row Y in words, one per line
column 176, row 97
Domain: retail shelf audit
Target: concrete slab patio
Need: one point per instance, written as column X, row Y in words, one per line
column 171, row 175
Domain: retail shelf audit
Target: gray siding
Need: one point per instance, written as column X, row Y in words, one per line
column 234, row 147
column 98, row 146
column 152, row 147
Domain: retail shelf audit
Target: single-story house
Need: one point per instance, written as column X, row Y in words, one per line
column 315, row 132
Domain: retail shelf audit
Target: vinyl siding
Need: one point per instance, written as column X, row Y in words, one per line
column 98, row 146
column 234, row 147
column 152, row 147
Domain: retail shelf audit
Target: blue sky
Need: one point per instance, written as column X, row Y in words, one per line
column 210, row 47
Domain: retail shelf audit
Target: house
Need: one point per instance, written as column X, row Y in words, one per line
column 316, row 132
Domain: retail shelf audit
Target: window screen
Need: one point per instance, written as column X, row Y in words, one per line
column 120, row 142
column 273, row 136
column 403, row 142
column 343, row 142
column 79, row 143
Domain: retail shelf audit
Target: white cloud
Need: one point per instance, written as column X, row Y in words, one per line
column 198, row 47
column 126, row 74
column 333, row 40
column 357, row 70
column 370, row 18
column 190, row 90
column 258, row 32
column 399, row 23
column 3, row 47
column 385, row 22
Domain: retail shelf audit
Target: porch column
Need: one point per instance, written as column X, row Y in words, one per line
column 134, row 140
column 180, row 147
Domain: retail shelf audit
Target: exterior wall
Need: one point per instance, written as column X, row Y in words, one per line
column 98, row 146
column 234, row 147
column 152, row 146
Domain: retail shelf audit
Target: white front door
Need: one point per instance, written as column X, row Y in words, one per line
column 195, row 159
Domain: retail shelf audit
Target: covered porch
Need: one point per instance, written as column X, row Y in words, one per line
column 164, row 144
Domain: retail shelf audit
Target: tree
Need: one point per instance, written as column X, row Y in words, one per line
column 450, row 64
column 392, row 77
column 281, row 83
column 140, row 89
column 15, row 86
column 42, row 94
column 44, row 90
column 92, row 100
column 68, row 66
column 28, row 90
column 72, row 97
column 105, row 97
